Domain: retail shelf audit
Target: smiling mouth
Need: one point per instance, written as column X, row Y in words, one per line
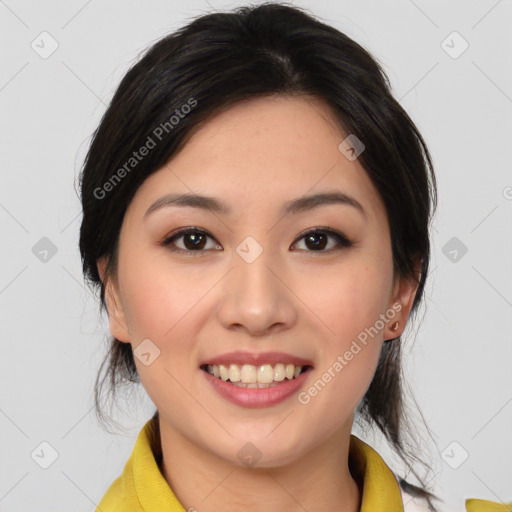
column 250, row 376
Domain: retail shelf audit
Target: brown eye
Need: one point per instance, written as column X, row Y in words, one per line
column 194, row 240
column 317, row 239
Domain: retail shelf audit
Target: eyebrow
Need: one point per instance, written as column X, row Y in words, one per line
column 294, row 206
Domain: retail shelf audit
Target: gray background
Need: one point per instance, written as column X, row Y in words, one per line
column 52, row 337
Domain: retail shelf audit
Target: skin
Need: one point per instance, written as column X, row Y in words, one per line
column 292, row 298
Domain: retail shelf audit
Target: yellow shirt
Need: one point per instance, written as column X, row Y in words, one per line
column 142, row 487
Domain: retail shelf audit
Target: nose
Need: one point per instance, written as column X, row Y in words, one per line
column 257, row 297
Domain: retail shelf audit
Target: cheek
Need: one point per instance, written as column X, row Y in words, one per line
column 162, row 303
column 158, row 296
column 350, row 304
column 350, row 299
column 161, row 309
column 350, row 347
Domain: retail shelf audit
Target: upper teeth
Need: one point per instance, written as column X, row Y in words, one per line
column 249, row 373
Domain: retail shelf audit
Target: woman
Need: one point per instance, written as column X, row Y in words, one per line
column 256, row 213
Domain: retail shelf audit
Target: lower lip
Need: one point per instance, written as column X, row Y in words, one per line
column 256, row 397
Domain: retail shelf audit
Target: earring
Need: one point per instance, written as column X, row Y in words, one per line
column 394, row 327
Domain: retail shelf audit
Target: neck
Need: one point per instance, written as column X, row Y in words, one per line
column 320, row 480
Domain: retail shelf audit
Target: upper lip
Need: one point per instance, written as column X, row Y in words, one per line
column 272, row 358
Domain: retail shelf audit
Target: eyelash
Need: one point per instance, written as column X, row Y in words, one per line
column 342, row 240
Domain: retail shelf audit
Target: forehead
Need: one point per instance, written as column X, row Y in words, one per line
column 264, row 151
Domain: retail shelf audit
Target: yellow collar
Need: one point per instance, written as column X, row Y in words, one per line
column 142, row 487
column 380, row 487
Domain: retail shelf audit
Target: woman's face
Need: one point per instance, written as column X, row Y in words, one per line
column 254, row 281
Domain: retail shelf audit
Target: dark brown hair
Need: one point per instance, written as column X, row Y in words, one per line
column 214, row 62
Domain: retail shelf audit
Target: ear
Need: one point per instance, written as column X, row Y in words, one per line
column 116, row 316
column 404, row 292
